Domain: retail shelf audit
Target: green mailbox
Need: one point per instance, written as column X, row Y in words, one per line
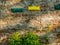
column 14, row 10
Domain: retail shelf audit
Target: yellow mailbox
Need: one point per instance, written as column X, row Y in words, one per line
column 34, row 8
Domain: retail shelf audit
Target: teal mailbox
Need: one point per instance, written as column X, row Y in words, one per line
column 14, row 10
column 57, row 7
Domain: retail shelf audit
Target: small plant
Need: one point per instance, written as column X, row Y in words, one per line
column 47, row 28
column 46, row 38
column 30, row 38
column 15, row 39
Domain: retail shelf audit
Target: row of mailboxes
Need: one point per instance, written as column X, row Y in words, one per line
column 32, row 8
